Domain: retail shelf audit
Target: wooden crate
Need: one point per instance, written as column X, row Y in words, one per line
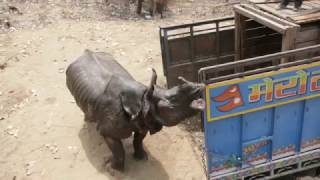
column 262, row 28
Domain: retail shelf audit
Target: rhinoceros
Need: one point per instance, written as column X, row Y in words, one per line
column 155, row 6
column 120, row 106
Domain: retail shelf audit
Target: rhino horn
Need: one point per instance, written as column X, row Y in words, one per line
column 152, row 83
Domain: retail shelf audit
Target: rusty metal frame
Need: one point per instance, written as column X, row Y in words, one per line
column 164, row 39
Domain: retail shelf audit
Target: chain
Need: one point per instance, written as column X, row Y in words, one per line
column 204, row 164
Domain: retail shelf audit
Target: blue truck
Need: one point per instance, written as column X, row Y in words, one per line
column 262, row 71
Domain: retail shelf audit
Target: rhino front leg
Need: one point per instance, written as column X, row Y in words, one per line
column 118, row 154
column 139, row 152
column 139, row 7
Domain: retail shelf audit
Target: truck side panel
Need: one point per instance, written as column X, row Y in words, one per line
column 258, row 137
column 261, row 120
column 224, row 145
column 287, row 127
column 257, row 128
column 311, row 134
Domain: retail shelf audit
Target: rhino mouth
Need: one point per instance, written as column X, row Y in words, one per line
column 198, row 104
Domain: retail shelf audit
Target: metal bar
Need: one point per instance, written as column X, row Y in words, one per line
column 294, row 171
column 162, row 52
column 166, row 47
column 228, row 18
column 261, row 70
column 202, row 61
column 261, row 59
column 181, row 34
column 197, row 31
column 297, row 158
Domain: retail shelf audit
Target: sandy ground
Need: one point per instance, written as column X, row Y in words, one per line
column 42, row 133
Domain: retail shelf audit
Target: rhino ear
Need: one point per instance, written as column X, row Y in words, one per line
column 131, row 103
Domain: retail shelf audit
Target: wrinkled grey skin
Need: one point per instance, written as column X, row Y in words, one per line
column 109, row 96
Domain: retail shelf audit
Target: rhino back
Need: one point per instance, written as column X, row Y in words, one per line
column 89, row 75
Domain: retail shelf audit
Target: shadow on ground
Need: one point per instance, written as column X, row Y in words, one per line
column 97, row 152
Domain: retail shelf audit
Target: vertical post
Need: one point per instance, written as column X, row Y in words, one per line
column 192, row 50
column 288, row 42
column 192, row 43
column 217, row 40
column 167, row 56
column 163, row 51
column 239, row 39
column 139, row 7
column 202, row 79
column 237, row 36
column 217, row 46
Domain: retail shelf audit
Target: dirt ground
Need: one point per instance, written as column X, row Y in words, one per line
column 42, row 133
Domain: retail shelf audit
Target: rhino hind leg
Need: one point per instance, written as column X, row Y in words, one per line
column 118, row 154
column 139, row 152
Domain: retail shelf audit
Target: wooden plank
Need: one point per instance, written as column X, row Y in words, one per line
column 306, row 44
column 311, row 4
column 288, row 42
column 306, row 18
column 306, row 13
column 310, row 20
column 272, row 17
column 273, row 11
column 289, row 13
column 316, row 2
column 265, row 21
column 309, row 34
